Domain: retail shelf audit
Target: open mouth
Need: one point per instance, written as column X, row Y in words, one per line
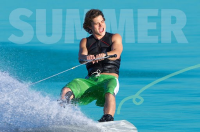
column 101, row 30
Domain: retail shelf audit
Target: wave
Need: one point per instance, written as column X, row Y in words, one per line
column 23, row 108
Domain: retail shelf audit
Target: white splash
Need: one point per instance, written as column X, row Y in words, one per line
column 23, row 108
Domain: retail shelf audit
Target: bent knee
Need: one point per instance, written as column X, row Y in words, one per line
column 66, row 89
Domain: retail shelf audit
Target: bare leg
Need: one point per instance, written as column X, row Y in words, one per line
column 110, row 104
column 64, row 91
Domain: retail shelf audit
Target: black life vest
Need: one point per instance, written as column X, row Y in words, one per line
column 94, row 47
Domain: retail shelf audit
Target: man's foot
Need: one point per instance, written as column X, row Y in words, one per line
column 106, row 117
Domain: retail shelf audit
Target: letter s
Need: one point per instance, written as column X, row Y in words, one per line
column 26, row 28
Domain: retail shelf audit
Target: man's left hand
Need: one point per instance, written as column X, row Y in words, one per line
column 101, row 55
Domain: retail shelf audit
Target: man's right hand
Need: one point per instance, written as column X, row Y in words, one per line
column 90, row 57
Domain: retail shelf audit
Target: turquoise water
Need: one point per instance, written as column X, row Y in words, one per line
column 170, row 105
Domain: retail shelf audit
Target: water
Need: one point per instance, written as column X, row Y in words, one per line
column 170, row 105
column 23, row 108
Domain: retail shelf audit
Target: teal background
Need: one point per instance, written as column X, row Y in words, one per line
column 171, row 105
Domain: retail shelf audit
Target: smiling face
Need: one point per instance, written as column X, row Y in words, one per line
column 98, row 27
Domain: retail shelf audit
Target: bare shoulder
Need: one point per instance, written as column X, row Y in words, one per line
column 116, row 37
column 83, row 42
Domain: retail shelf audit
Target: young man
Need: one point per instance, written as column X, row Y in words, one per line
column 102, row 82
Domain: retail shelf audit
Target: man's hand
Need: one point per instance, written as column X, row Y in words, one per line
column 90, row 57
column 101, row 55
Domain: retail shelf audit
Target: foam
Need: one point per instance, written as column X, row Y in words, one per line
column 23, row 108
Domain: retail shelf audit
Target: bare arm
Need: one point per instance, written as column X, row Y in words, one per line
column 82, row 49
column 83, row 52
column 117, row 46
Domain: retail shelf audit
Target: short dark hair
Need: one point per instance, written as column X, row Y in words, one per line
column 90, row 15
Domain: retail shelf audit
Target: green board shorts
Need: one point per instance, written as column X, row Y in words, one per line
column 94, row 88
